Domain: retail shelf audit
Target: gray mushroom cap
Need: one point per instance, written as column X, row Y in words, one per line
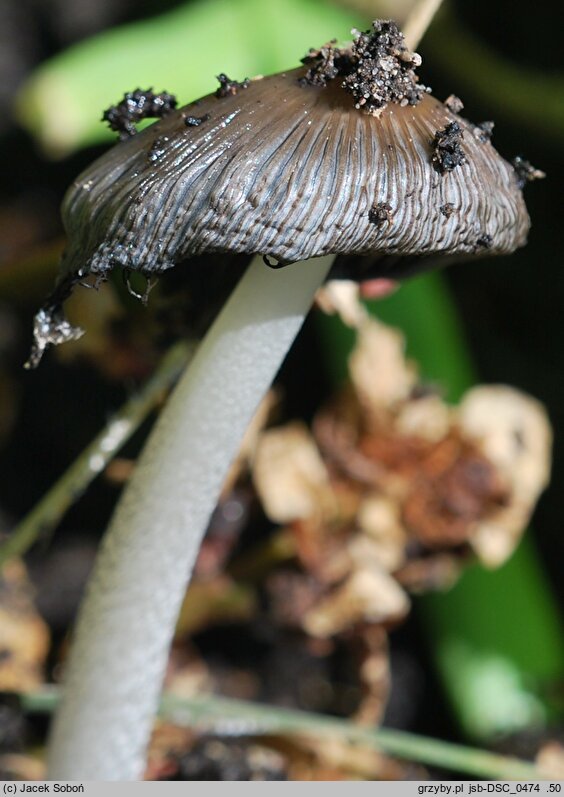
column 291, row 171
column 292, row 167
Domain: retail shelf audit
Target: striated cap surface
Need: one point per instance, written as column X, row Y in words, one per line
column 292, row 171
column 347, row 155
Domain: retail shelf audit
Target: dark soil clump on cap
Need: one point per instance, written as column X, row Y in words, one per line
column 447, row 149
column 135, row 106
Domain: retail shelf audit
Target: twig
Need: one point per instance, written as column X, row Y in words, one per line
column 419, row 20
column 223, row 715
column 44, row 517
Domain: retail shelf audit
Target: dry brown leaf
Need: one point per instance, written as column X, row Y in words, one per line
column 367, row 596
column 374, row 676
column 290, row 476
column 322, row 549
column 430, row 573
column 550, row 760
column 384, row 537
column 21, row 767
column 168, row 743
column 337, row 431
column 378, row 369
column 187, row 674
column 453, row 487
column 402, row 483
column 24, row 636
column 428, row 418
column 247, row 449
column 513, row 431
column 342, row 297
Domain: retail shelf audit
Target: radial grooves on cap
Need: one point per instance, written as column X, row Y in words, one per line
column 291, row 172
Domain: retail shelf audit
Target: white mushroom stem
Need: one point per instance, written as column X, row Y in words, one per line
column 126, row 624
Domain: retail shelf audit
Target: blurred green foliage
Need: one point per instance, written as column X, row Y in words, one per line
column 180, row 52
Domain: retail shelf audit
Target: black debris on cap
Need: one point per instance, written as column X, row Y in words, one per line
column 325, row 64
column 447, row 209
column 384, row 69
column 447, row 148
column 380, row 214
column 158, row 148
column 135, row 106
column 525, row 171
column 228, row 87
column 196, row 121
column 485, row 241
column 376, row 69
column 484, row 131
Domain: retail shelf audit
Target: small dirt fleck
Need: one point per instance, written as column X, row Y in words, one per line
column 380, row 214
column 485, row 241
column 447, row 209
column 228, row 87
column 525, row 171
column 135, row 106
column 158, row 148
column 325, row 64
column 447, row 150
column 196, row 121
column 484, row 131
column 454, row 103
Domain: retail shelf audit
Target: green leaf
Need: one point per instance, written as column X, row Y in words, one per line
column 180, row 52
column 498, row 644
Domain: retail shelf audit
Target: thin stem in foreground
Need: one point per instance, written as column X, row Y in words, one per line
column 221, row 713
column 127, row 619
column 419, row 19
column 218, row 714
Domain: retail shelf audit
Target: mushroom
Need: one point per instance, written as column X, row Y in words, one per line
column 346, row 157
